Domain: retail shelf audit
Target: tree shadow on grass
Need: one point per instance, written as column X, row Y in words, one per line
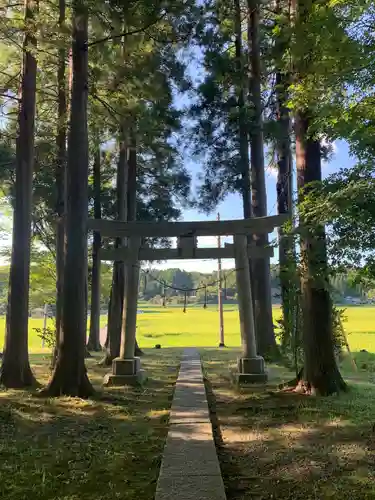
column 104, row 448
column 153, row 311
column 282, row 445
column 159, row 335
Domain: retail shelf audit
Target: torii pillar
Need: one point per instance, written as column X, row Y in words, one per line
column 126, row 369
column 251, row 368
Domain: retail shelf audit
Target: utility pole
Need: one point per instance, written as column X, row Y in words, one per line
column 45, row 317
column 220, row 293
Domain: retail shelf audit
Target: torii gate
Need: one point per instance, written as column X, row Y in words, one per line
column 126, row 369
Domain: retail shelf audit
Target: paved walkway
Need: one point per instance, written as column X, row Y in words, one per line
column 190, row 468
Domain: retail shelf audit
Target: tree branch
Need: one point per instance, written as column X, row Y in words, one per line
column 127, row 33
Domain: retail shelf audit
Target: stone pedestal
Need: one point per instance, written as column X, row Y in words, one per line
column 125, row 372
column 251, row 371
column 126, row 366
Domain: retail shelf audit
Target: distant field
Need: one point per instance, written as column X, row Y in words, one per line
column 170, row 327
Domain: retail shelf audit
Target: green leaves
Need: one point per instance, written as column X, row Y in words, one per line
column 345, row 202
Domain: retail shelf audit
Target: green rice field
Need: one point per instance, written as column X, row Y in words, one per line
column 171, row 327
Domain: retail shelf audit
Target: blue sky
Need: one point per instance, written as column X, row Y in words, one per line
column 231, row 208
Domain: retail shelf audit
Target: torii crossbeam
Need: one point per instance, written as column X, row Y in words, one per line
column 126, row 368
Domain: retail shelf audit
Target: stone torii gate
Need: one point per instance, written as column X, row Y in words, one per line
column 126, row 369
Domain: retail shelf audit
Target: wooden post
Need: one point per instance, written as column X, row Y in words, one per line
column 250, row 366
column 220, row 294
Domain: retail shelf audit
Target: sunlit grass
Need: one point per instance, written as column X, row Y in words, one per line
column 104, row 448
column 287, row 446
column 73, row 449
column 171, row 327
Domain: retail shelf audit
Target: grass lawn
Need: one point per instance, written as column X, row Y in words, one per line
column 69, row 449
column 170, row 327
column 270, row 445
column 285, row 446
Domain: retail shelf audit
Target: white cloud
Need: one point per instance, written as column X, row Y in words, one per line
column 211, row 241
column 206, row 241
column 202, row 266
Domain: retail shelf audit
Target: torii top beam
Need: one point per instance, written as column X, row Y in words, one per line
column 120, row 229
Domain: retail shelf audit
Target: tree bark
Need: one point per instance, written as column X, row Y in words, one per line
column 60, row 176
column 15, row 369
column 284, row 186
column 261, row 270
column 70, row 375
column 242, row 119
column 94, row 336
column 113, row 340
column 321, row 374
column 118, row 275
column 243, row 127
column 138, row 351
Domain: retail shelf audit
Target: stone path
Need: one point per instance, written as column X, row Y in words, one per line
column 190, row 467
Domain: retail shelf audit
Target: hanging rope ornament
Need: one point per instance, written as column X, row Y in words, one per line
column 164, row 298
column 185, row 301
column 205, row 298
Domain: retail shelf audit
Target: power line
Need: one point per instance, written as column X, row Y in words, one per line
column 179, row 289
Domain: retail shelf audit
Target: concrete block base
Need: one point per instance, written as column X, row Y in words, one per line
column 251, row 371
column 129, row 366
column 251, row 365
column 251, row 378
column 112, row 380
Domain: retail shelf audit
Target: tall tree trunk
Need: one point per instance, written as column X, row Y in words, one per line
column 284, row 186
column 70, row 375
column 242, row 116
column 15, row 370
column 321, row 374
column 94, row 336
column 261, row 270
column 118, row 275
column 87, row 352
column 60, row 176
column 243, row 126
